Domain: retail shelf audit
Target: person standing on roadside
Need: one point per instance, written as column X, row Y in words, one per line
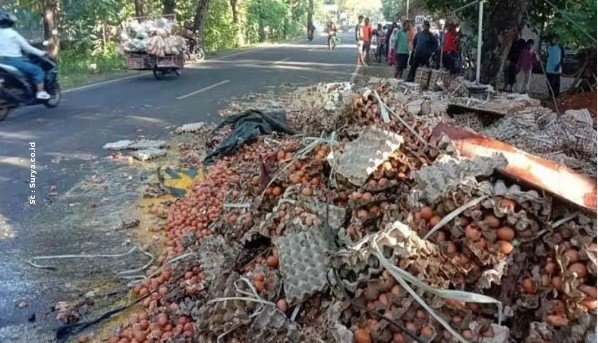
column 425, row 44
column 359, row 40
column 367, row 38
column 450, row 48
column 380, row 40
column 388, row 34
column 392, row 52
column 511, row 65
column 402, row 49
column 525, row 65
column 554, row 65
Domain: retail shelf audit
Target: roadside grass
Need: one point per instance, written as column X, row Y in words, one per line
column 77, row 69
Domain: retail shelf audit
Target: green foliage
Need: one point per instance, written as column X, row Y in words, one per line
column 267, row 20
column 392, row 9
column 567, row 26
column 218, row 31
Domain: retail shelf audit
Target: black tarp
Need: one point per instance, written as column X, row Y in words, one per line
column 248, row 126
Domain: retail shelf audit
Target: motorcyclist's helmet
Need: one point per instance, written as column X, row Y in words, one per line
column 7, row 19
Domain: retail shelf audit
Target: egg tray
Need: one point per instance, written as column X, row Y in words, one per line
column 216, row 256
column 334, row 327
column 359, row 263
column 446, row 172
column 362, row 156
column 302, row 262
column 222, row 316
column 289, row 201
column 272, row 326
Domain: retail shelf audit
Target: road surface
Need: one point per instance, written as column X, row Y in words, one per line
column 68, row 145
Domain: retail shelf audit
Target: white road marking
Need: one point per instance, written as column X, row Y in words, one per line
column 101, row 83
column 283, row 60
column 203, row 89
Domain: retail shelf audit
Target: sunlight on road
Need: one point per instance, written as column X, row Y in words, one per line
column 6, row 230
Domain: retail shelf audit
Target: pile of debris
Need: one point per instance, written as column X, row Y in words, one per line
column 372, row 226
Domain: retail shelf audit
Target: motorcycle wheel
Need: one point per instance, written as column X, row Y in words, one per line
column 4, row 109
column 199, row 54
column 159, row 73
column 56, row 96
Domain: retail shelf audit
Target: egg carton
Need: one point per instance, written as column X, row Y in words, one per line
column 191, row 127
column 147, row 144
column 118, row 145
column 216, row 256
column 334, row 327
column 446, row 172
column 148, row 154
column 359, row 262
column 272, row 325
column 422, row 77
column 302, row 256
column 222, row 316
column 439, row 79
column 362, row 156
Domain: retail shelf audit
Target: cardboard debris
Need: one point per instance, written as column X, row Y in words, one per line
column 148, row 154
column 363, row 155
column 191, row 127
column 118, row 145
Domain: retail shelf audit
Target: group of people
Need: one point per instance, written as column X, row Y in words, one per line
column 401, row 47
column 521, row 61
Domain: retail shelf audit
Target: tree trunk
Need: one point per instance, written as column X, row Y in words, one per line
column 200, row 18
column 502, row 25
column 50, row 11
column 236, row 23
column 138, row 8
column 168, row 6
column 310, row 13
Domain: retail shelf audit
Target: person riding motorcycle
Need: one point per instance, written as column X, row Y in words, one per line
column 331, row 29
column 311, row 29
column 12, row 46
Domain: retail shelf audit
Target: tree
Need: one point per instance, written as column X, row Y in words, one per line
column 50, row 20
column 392, row 9
column 138, row 8
column 169, row 6
column 234, row 6
column 200, row 18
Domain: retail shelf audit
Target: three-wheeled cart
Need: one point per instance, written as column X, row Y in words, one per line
column 159, row 65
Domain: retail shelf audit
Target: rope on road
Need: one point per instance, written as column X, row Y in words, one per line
column 32, row 260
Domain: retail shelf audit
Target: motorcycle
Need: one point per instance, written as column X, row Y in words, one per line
column 17, row 89
column 194, row 52
column 333, row 41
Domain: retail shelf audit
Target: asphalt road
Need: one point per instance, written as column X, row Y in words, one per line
column 69, row 138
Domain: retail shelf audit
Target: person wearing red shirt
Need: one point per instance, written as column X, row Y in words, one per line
column 450, row 49
column 367, row 38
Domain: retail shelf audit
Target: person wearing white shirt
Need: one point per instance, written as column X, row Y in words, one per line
column 12, row 46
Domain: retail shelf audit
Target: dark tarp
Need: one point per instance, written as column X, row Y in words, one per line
column 248, row 126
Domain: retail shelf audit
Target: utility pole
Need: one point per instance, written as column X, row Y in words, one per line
column 479, row 56
column 407, row 10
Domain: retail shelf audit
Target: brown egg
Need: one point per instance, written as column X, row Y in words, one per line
column 434, row 220
column 529, row 286
column 572, row 254
column 505, row 233
column 505, row 247
column 282, row 305
column 492, row 221
column 579, row 269
column 362, row 336
column 590, row 291
column 426, row 213
column 272, row 261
